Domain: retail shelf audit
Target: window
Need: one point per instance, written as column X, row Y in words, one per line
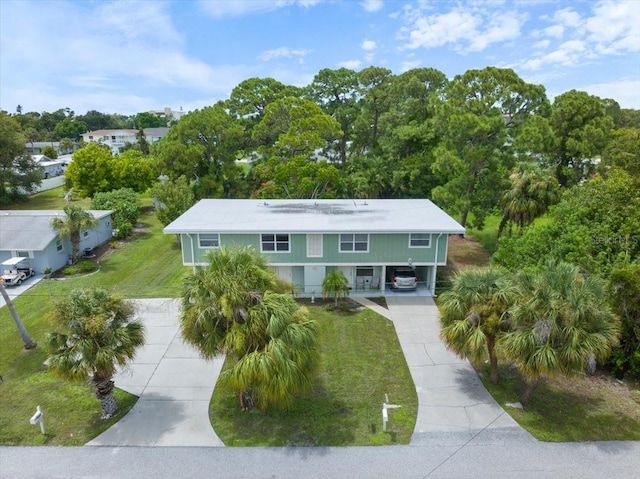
column 90, row 138
column 208, row 240
column 358, row 243
column 85, row 234
column 278, row 243
column 59, row 244
column 23, row 254
column 419, row 240
column 364, row 271
column 314, row 246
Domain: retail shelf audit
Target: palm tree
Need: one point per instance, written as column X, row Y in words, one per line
column 335, row 286
column 26, row 339
column 66, row 145
column 562, row 323
column 473, row 314
column 77, row 219
column 98, row 335
column 532, row 191
column 237, row 306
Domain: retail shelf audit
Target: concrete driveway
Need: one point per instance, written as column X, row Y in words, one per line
column 453, row 404
column 174, row 385
column 15, row 291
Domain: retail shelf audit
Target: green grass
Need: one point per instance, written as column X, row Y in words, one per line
column 147, row 266
column 361, row 361
column 593, row 408
column 48, row 200
column 487, row 236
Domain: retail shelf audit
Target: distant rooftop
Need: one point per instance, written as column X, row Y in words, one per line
column 314, row 216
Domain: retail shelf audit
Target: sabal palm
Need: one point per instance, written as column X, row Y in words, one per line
column 472, row 313
column 284, row 365
column 236, row 305
column 335, row 286
column 76, row 220
column 532, row 191
column 97, row 334
column 561, row 322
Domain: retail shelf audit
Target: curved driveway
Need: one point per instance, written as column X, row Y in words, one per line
column 460, row 433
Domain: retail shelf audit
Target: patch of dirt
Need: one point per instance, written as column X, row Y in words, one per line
column 465, row 253
column 602, row 385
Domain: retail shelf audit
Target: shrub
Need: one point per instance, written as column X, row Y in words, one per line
column 124, row 203
column 81, row 267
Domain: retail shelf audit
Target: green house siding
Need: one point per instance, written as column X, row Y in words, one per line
column 383, row 248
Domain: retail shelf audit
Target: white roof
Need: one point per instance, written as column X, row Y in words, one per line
column 13, row 261
column 314, row 216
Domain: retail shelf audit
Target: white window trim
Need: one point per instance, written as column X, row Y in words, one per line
column 59, row 241
column 430, row 240
column 315, row 235
column 354, row 243
column 208, row 247
column 275, row 243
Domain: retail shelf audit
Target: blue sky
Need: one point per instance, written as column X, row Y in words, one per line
column 130, row 56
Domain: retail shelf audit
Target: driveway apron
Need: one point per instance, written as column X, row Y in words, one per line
column 174, row 385
column 453, row 405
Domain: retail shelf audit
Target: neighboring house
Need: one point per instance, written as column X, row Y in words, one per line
column 304, row 239
column 28, row 233
column 50, row 168
column 168, row 114
column 116, row 139
column 36, row 147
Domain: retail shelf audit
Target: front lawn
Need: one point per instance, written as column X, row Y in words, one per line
column 361, row 361
column 582, row 408
column 148, row 265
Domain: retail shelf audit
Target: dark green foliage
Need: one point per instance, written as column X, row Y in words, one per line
column 595, row 225
column 81, row 267
column 624, row 294
column 124, row 203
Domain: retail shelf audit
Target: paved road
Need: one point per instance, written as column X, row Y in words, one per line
column 485, row 456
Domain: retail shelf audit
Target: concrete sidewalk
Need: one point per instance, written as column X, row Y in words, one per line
column 174, row 385
column 453, row 404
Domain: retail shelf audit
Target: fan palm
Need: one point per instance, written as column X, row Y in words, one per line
column 76, row 220
column 98, row 334
column 473, row 314
column 532, row 191
column 561, row 323
column 235, row 305
column 335, row 286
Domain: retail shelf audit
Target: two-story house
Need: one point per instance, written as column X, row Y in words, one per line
column 304, row 239
column 116, row 139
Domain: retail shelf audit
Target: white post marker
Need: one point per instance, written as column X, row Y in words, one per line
column 38, row 418
column 385, row 418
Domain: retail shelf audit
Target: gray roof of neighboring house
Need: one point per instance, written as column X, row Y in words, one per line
column 159, row 131
column 30, row 230
column 314, row 216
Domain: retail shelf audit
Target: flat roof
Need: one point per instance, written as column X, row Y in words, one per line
column 314, row 216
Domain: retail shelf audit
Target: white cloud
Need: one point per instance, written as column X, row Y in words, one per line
column 568, row 53
column 465, row 28
column 614, row 27
column 372, row 5
column 283, row 52
column 554, row 31
column 542, row 44
column 97, row 55
column 369, row 58
column 369, row 45
column 625, row 91
column 235, row 8
column 351, row 64
column 409, row 65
